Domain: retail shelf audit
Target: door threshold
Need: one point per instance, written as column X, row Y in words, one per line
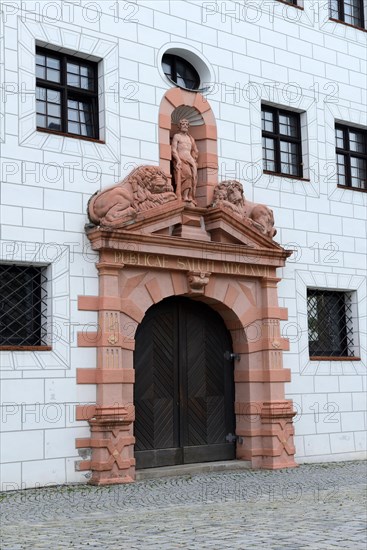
column 191, row 469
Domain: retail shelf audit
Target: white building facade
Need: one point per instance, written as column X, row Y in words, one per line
column 297, row 63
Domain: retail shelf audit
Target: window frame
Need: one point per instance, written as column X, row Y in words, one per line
column 71, row 92
column 348, row 153
column 346, row 335
column 277, row 137
column 293, row 3
column 341, row 15
column 37, row 295
column 173, row 64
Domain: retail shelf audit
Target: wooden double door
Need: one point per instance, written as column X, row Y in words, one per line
column 184, row 389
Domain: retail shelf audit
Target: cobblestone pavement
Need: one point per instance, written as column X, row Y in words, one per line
column 316, row 507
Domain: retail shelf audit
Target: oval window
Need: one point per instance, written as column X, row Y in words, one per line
column 180, row 71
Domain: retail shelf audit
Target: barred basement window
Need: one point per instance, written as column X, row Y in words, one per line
column 281, row 135
column 23, row 303
column 66, row 94
column 348, row 11
column 330, row 324
column 351, row 157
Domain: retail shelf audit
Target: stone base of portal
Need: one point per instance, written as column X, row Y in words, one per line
column 268, row 442
column 265, row 441
column 111, row 443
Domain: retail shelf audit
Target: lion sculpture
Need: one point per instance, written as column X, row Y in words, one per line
column 144, row 188
column 229, row 194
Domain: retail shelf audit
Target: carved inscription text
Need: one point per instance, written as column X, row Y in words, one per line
column 160, row 261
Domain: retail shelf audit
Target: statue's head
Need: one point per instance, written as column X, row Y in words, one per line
column 234, row 192
column 151, row 178
column 184, row 125
column 160, row 183
column 220, row 192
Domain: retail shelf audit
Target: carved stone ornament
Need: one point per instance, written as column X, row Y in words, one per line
column 185, row 155
column 110, row 442
column 229, row 195
column 144, row 188
column 197, row 281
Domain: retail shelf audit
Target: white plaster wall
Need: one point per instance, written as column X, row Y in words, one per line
column 259, row 51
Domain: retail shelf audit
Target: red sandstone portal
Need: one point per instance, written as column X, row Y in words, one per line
column 207, row 254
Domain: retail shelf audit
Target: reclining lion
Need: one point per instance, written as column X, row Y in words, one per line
column 230, row 195
column 144, row 188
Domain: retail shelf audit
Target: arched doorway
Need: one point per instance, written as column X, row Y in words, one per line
column 184, row 389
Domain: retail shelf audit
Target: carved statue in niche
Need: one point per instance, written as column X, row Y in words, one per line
column 229, row 194
column 144, row 188
column 185, row 155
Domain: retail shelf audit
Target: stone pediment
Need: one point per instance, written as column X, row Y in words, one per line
column 175, row 219
column 227, row 227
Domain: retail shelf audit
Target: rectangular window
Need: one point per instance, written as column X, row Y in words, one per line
column 66, row 94
column 23, row 305
column 281, row 135
column 348, row 11
column 351, row 156
column 330, row 325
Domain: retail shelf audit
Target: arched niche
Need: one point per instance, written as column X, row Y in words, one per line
column 203, row 129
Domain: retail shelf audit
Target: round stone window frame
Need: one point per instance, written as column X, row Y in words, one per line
column 192, row 56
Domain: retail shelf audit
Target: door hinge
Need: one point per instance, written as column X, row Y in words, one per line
column 228, row 355
column 231, row 438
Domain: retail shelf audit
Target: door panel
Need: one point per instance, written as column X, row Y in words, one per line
column 156, row 387
column 184, row 385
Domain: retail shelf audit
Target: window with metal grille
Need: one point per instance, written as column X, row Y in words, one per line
column 348, row 11
column 23, row 305
column 66, row 94
column 330, row 323
column 351, row 157
column 281, row 135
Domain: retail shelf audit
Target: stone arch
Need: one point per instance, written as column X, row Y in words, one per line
column 256, row 387
column 178, row 286
column 205, row 136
